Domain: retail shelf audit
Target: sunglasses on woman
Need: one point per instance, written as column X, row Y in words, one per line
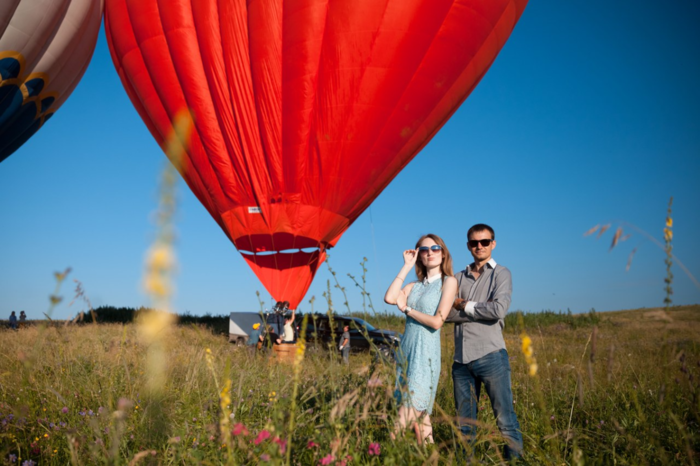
column 484, row 242
column 434, row 248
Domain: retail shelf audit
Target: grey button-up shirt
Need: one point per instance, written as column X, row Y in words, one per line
column 481, row 332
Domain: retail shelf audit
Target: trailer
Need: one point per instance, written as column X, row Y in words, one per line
column 241, row 324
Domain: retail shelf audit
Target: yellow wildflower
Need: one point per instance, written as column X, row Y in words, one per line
column 533, row 369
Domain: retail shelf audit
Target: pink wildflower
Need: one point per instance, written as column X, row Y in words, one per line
column 328, row 459
column 265, row 457
column 375, row 449
column 239, row 429
column 262, row 436
column 282, row 443
column 311, row 444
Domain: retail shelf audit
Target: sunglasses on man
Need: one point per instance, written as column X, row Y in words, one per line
column 434, row 248
column 484, row 242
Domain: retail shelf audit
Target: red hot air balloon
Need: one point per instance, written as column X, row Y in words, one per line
column 303, row 110
column 45, row 47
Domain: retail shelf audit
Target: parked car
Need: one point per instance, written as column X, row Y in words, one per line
column 363, row 336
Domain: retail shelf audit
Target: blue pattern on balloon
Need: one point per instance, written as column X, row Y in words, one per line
column 20, row 116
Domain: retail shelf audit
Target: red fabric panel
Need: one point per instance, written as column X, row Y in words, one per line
column 303, row 110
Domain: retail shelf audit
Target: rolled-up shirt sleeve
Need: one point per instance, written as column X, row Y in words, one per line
column 458, row 317
column 497, row 306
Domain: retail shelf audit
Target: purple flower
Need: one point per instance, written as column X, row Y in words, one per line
column 65, row 410
column 100, row 409
column 551, row 418
column 28, row 463
column 375, row 449
column 82, row 413
column 12, row 458
column 91, row 413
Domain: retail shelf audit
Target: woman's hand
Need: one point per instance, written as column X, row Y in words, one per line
column 410, row 256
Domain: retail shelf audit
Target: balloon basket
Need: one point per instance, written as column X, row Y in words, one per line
column 285, row 352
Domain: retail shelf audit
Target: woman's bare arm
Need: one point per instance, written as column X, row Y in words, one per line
column 449, row 290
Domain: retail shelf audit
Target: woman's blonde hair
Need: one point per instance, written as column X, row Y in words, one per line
column 445, row 266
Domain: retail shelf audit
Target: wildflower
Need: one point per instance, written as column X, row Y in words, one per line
column 28, row 463
column 311, row 444
column 176, row 439
column 12, row 458
column 91, row 413
column 82, row 413
column 551, row 418
column 282, row 443
column 328, row 459
column 528, row 352
column 374, row 449
column 239, row 429
column 265, row 457
column 262, row 436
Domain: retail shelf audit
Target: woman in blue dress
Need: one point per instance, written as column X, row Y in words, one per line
column 426, row 303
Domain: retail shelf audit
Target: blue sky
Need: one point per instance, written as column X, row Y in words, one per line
column 590, row 114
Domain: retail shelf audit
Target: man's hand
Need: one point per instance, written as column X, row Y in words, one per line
column 460, row 304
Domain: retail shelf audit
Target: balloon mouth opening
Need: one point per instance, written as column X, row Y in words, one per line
column 283, row 251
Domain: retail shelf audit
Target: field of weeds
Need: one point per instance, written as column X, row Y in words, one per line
column 618, row 389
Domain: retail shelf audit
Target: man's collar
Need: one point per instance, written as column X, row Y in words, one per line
column 491, row 263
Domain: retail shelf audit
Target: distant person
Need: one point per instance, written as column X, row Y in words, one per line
column 426, row 303
column 22, row 319
column 345, row 344
column 254, row 337
column 271, row 337
column 288, row 335
column 481, row 358
column 13, row 321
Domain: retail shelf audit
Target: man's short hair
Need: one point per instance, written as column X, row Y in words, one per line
column 481, row 227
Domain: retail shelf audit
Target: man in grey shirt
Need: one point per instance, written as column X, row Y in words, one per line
column 345, row 344
column 484, row 290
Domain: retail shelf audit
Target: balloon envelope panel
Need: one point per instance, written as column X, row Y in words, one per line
column 45, row 47
column 303, row 110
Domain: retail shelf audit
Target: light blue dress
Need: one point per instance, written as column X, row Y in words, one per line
column 419, row 355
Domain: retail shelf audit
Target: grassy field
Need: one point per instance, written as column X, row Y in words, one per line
column 611, row 388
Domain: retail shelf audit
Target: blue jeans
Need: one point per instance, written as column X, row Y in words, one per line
column 493, row 371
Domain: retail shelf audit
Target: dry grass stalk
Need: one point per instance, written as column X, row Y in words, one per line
column 616, row 238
